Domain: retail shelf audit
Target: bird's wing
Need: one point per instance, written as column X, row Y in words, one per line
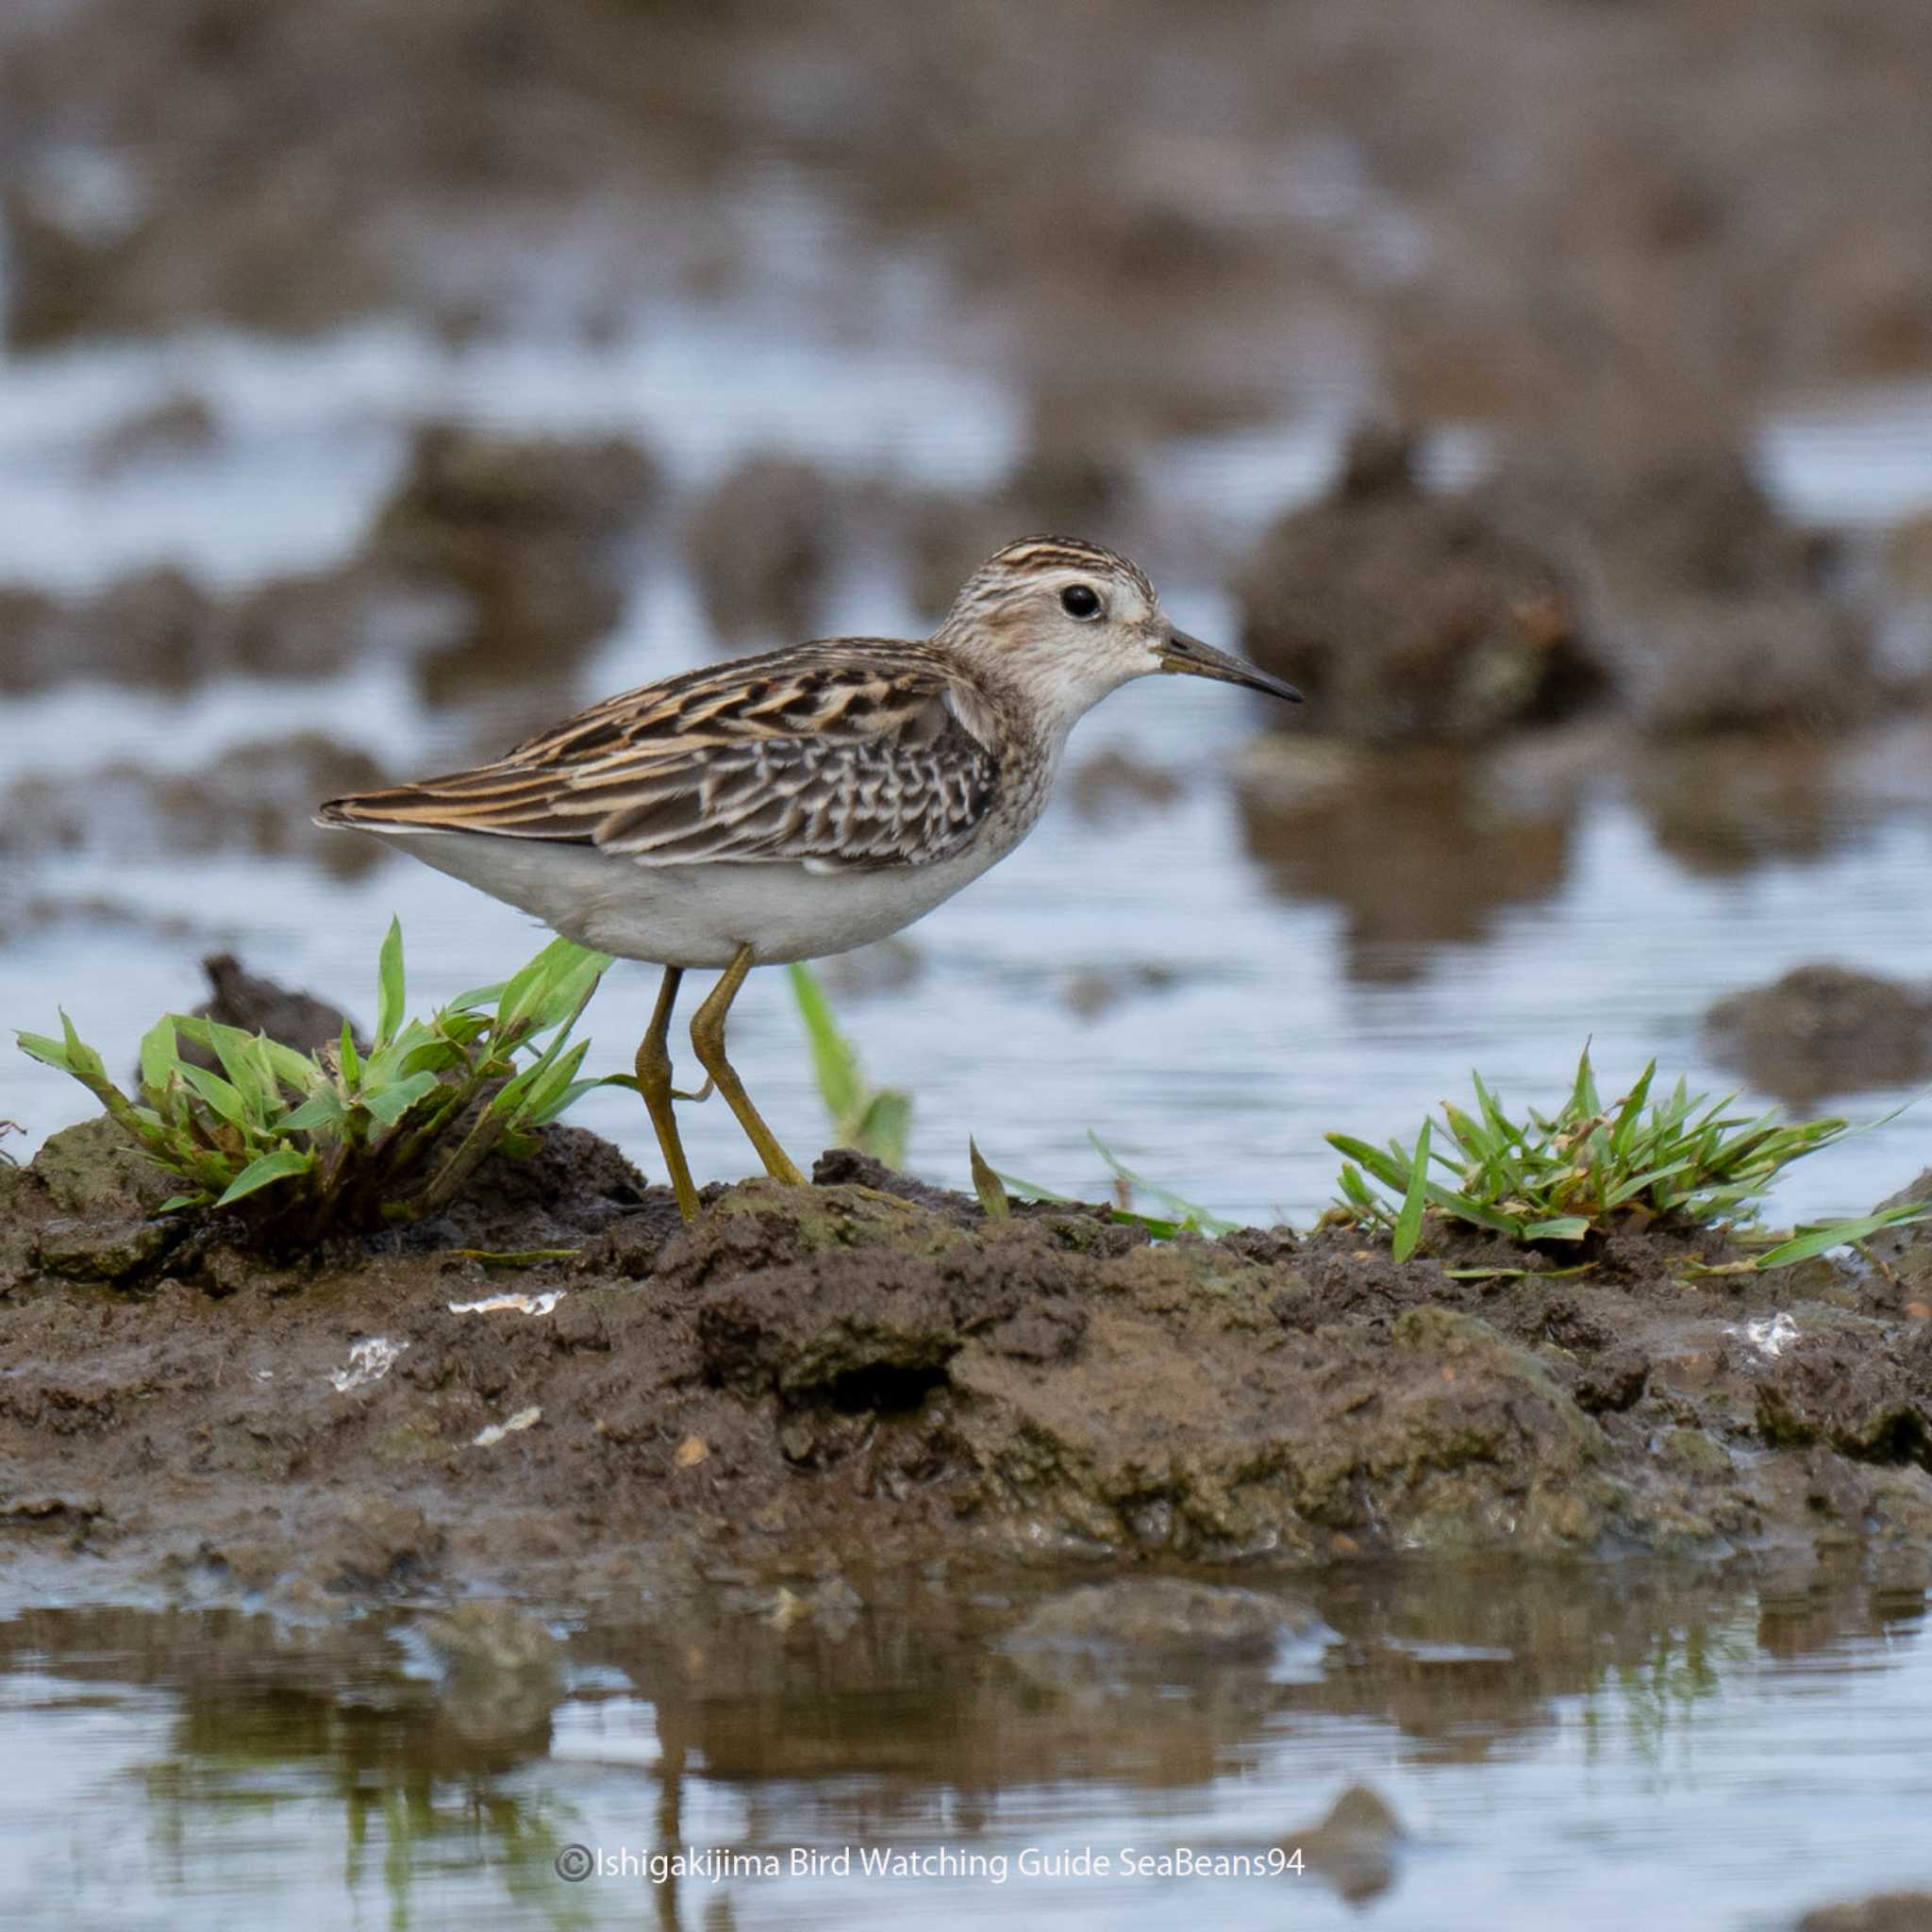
column 836, row 756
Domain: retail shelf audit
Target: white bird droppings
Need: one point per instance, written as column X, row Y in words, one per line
column 369, row 1361
column 488, row 1438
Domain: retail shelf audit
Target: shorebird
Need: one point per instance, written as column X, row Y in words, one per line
column 800, row 803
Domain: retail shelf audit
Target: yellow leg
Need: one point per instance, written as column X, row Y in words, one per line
column 708, row 1037
column 653, row 1083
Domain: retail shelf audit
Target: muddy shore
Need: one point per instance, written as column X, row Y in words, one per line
column 872, row 1375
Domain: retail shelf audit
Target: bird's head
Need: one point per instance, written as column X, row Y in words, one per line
column 1067, row 622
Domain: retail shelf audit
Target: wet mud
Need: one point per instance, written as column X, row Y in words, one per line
column 260, row 797
column 1682, row 231
column 1612, row 294
column 1660, row 585
column 1406, row 614
column 870, row 1372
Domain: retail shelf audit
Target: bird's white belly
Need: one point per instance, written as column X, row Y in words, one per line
column 696, row 915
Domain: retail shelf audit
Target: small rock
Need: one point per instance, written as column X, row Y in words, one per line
column 492, row 1636
column 1354, row 1846
column 1113, row 781
column 628, row 1248
column 1696, row 1454
column 1091, row 994
column 1823, row 1029
column 532, row 532
column 1884, row 1912
column 761, row 544
column 504, row 1670
column 1406, row 615
column 1615, row 1381
column 1845, row 1390
column 179, row 424
column 93, row 1171
column 377, row 1545
column 1712, row 606
column 239, row 998
column 887, row 966
column 1164, row 1621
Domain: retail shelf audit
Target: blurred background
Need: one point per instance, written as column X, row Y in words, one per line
column 1544, row 385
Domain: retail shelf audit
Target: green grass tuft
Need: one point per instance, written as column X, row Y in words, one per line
column 337, row 1142
column 1683, row 1160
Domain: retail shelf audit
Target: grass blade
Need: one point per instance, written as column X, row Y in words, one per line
column 834, row 1064
column 988, row 1185
column 1834, row 1234
column 1408, row 1223
column 389, row 987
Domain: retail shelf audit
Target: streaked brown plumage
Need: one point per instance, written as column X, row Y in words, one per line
column 843, row 754
column 798, row 803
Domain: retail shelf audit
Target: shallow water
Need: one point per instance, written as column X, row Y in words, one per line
column 1263, row 977
column 1208, row 986
column 1651, row 1751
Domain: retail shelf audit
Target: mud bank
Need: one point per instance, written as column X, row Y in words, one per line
column 870, row 1372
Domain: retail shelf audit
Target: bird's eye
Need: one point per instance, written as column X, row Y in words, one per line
column 1080, row 600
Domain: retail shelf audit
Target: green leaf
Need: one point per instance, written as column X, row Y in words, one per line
column 1629, row 1115
column 389, row 1104
column 431, row 1055
column 234, row 1050
column 1032, row 1190
column 265, row 1170
column 1835, row 1234
column 1393, row 1173
column 1565, row 1227
column 1189, row 1215
column 564, row 1100
column 885, row 1127
column 288, row 1067
column 351, row 1061
column 986, row 1184
column 391, row 994
column 323, row 1109
column 218, row 1093
column 174, row 1202
column 37, row 1046
column 552, row 1076
column 834, row 1064
column 1408, row 1223
column 159, row 1055
column 557, row 984
column 577, row 974
column 80, row 1057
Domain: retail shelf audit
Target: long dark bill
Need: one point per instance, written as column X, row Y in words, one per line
column 1188, row 656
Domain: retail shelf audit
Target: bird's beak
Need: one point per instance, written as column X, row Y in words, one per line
column 1188, row 656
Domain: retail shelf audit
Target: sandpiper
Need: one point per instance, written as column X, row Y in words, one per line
column 800, row 803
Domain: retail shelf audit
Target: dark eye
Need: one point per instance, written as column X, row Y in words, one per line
column 1080, row 600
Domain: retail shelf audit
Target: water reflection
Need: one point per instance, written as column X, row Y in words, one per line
column 379, row 1765
column 1419, row 846
column 1720, row 806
